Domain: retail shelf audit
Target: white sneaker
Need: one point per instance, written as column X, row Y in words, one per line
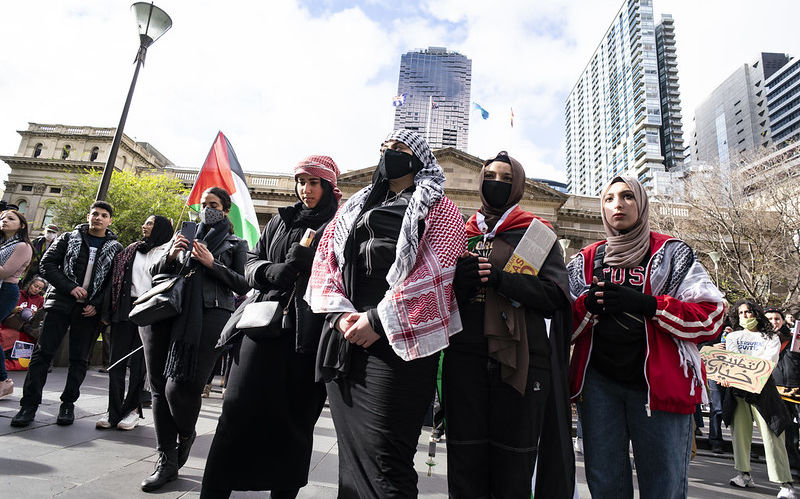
column 129, row 422
column 103, row 423
column 787, row 491
column 577, row 445
column 6, row 387
column 743, row 480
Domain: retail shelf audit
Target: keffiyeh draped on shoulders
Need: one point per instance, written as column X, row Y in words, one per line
column 419, row 311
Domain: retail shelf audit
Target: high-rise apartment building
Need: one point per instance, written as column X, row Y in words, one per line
column 783, row 102
column 614, row 112
column 435, row 85
column 734, row 118
column 671, row 119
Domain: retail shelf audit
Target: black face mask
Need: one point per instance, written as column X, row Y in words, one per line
column 397, row 164
column 496, row 193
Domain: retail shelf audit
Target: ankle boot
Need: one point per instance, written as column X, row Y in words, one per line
column 166, row 471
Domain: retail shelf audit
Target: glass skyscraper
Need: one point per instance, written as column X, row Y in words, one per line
column 734, row 118
column 613, row 115
column 436, row 85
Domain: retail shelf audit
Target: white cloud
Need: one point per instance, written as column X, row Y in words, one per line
column 282, row 82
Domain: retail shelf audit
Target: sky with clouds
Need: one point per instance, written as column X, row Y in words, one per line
column 284, row 79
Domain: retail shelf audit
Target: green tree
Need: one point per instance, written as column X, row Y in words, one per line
column 134, row 198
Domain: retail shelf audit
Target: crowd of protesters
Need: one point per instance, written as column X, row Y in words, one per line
column 371, row 302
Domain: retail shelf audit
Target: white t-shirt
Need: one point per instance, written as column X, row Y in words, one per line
column 754, row 343
column 141, row 280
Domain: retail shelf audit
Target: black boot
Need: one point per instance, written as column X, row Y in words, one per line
column 24, row 417
column 184, row 446
column 166, row 471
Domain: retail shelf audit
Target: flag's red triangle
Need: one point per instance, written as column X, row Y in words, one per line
column 216, row 171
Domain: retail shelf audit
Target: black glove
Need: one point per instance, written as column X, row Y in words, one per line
column 280, row 275
column 618, row 299
column 495, row 275
column 590, row 302
column 301, row 257
column 467, row 277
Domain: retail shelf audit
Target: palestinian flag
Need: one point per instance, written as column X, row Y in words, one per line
column 222, row 169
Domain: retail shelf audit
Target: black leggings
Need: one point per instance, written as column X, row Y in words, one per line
column 176, row 406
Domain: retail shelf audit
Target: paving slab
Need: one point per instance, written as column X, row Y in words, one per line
column 79, row 461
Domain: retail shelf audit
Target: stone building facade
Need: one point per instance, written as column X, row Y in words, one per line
column 43, row 159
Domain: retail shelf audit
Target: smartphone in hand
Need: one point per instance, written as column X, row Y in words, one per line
column 189, row 231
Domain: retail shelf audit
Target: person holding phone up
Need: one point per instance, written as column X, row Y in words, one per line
column 180, row 352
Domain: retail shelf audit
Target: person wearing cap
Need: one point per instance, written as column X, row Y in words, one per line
column 504, row 377
column 787, row 375
column 272, row 400
column 40, row 245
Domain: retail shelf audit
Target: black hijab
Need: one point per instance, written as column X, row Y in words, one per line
column 324, row 210
column 160, row 234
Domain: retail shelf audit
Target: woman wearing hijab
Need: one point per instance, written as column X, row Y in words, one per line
column 504, row 378
column 755, row 336
column 642, row 302
column 272, row 400
column 383, row 273
column 15, row 255
column 180, row 353
column 130, row 279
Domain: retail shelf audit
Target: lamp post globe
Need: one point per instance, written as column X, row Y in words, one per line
column 152, row 23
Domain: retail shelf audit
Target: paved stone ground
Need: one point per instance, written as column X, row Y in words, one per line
column 46, row 460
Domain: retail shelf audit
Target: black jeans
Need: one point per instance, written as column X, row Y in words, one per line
column 82, row 335
column 176, row 406
column 125, row 339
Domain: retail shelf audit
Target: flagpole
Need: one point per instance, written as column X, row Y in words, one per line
column 428, row 125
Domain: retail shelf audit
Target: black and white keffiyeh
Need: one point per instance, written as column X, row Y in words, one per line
column 7, row 248
column 429, row 182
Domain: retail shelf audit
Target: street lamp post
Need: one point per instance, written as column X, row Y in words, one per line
column 715, row 256
column 152, row 22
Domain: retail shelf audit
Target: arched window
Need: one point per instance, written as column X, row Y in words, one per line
column 95, row 152
column 49, row 215
column 23, row 205
column 37, row 151
column 65, row 151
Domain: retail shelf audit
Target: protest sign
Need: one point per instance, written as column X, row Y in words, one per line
column 736, row 369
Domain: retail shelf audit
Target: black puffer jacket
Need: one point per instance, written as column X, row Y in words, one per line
column 52, row 267
column 221, row 281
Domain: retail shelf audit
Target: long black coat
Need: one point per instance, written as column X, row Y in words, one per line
column 265, row 433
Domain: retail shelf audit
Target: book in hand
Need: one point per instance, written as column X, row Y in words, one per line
column 532, row 250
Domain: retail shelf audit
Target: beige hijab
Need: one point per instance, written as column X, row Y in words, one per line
column 629, row 249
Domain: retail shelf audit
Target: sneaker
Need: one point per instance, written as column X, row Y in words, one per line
column 787, row 491
column 66, row 414
column 6, row 387
column 578, row 445
column 716, row 448
column 743, row 480
column 206, row 391
column 129, row 422
column 103, row 423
